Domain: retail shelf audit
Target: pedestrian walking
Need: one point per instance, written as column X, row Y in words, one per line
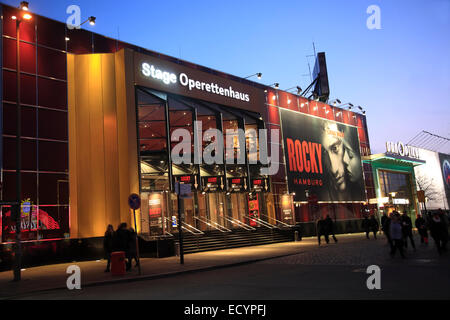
column 329, row 228
column 374, row 226
column 439, row 231
column 321, row 230
column 407, row 230
column 122, row 242
column 133, row 247
column 396, row 234
column 422, row 228
column 108, row 246
column 366, row 226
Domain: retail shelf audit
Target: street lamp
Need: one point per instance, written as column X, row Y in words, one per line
column 24, row 15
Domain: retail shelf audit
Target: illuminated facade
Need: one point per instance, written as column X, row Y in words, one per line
column 98, row 119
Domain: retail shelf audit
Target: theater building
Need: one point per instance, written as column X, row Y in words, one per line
column 99, row 118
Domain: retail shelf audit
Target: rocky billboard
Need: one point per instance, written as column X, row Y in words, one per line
column 323, row 158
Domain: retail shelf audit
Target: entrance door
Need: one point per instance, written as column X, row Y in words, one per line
column 187, row 210
column 216, row 208
column 237, row 208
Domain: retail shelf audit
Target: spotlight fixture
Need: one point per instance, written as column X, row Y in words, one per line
column 349, row 104
column 299, row 90
column 24, row 5
column 276, row 85
column 91, row 21
column 362, row 110
column 259, row 75
column 336, row 101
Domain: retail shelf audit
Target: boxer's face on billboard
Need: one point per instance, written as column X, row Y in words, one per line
column 332, row 142
column 352, row 164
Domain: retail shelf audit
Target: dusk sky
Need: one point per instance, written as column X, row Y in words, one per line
column 399, row 74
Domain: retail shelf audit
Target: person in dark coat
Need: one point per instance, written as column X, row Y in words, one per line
column 374, row 226
column 321, row 230
column 329, row 228
column 122, row 242
column 407, row 230
column 108, row 246
column 133, row 247
column 439, row 232
column 385, row 226
column 421, row 226
column 366, row 226
column 396, row 233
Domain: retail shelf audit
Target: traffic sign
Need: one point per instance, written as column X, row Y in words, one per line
column 134, row 201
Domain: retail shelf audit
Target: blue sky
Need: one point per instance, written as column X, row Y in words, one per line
column 399, row 74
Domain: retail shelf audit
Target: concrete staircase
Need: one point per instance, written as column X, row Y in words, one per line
column 216, row 240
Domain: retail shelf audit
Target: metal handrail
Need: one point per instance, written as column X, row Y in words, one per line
column 240, row 223
column 262, row 222
column 208, row 222
column 184, row 225
column 278, row 221
column 165, row 231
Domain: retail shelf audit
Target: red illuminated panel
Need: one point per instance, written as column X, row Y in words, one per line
column 257, row 182
column 287, row 100
column 272, row 98
column 274, row 116
column 212, row 180
column 155, row 212
column 46, row 222
column 185, row 179
column 236, row 181
column 303, row 105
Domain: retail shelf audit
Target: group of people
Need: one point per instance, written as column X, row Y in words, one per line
column 123, row 239
column 370, row 225
column 325, row 227
column 398, row 228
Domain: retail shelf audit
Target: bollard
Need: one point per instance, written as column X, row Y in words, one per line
column 118, row 263
column 177, row 249
column 296, row 236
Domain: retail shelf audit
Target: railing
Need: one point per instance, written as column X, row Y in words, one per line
column 262, row 222
column 278, row 222
column 213, row 225
column 191, row 229
column 185, row 226
column 240, row 224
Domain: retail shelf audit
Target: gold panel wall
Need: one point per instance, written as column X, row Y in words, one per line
column 103, row 162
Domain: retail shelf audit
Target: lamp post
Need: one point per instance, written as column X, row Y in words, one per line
column 24, row 15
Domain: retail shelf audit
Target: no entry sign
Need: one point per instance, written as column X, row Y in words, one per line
column 134, row 201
